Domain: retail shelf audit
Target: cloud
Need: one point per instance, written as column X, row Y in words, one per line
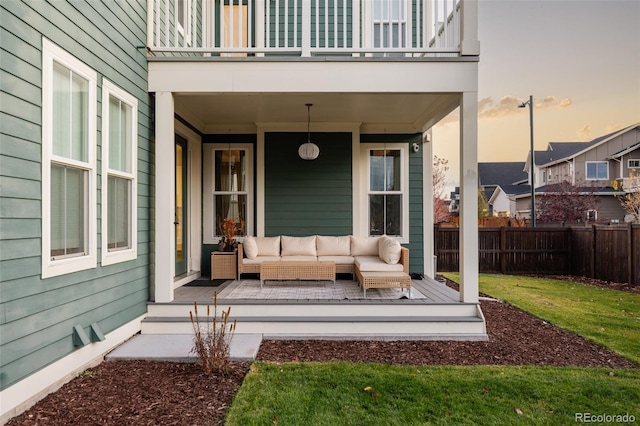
column 508, row 105
column 613, row 127
column 552, row 102
column 565, row 103
column 585, row 132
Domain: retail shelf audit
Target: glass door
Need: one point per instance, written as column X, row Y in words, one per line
column 181, row 205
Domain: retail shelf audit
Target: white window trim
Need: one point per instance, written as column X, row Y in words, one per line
column 586, row 168
column 185, row 32
column 595, row 214
column 366, row 148
column 116, row 256
column 52, row 268
column 210, row 236
column 633, row 160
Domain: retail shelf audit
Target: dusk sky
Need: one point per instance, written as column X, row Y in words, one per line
column 579, row 59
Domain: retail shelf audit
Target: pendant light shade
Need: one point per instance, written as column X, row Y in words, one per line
column 308, row 150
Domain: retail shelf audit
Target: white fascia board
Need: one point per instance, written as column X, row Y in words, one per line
column 495, row 194
column 313, row 76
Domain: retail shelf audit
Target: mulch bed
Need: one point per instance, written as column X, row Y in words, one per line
column 153, row 393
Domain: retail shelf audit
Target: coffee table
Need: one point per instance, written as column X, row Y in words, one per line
column 297, row 270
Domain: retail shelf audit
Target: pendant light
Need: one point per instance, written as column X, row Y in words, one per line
column 308, row 150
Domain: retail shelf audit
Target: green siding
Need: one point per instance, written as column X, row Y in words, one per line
column 416, row 214
column 308, row 197
column 37, row 316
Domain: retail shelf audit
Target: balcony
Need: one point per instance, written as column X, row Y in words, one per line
column 308, row 28
column 630, row 184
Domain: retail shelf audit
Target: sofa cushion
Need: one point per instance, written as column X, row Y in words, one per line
column 268, row 246
column 364, row 246
column 338, row 260
column 298, row 246
column 258, row 260
column 299, row 258
column 389, row 250
column 250, row 247
column 333, row 246
column 375, row 264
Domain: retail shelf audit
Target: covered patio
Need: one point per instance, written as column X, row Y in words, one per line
column 344, row 291
column 318, row 310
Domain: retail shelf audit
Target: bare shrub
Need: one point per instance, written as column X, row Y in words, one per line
column 212, row 338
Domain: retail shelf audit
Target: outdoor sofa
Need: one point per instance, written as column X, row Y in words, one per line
column 376, row 261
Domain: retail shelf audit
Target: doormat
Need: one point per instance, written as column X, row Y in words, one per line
column 205, row 282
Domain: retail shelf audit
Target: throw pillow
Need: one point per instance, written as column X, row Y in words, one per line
column 298, row 246
column 268, row 246
column 389, row 250
column 250, row 247
column 333, row 246
column 364, row 246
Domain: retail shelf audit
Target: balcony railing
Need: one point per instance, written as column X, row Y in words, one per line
column 630, row 184
column 389, row 28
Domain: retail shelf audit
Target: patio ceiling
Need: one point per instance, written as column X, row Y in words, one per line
column 396, row 112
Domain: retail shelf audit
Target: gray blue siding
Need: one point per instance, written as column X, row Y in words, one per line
column 308, row 197
column 37, row 316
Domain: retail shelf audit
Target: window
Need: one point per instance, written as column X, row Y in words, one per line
column 592, row 215
column 387, row 190
column 119, row 171
column 633, row 164
column 389, row 23
column 183, row 17
column 68, row 163
column 597, row 170
column 228, row 188
column 235, row 28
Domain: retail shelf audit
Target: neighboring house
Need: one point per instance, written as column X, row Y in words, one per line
column 503, row 200
column 131, row 129
column 590, row 166
column 500, row 181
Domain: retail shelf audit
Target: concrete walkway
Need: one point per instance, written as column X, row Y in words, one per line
column 177, row 347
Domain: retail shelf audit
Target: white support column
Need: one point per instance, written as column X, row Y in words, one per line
column 427, row 203
column 469, row 197
column 358, row 227
column 165, row 239
column 260, row 176
column 306, row 28
column 260, row 14
column 355, row 29
column 469, row 44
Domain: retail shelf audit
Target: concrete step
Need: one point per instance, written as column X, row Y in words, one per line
column 297, row 309
column 177, row 348
column 443, row 327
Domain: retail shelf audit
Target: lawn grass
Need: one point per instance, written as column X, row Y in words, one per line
column 610, row 318
column 375, row 394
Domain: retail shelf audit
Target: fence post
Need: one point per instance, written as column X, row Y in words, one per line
column 630, row 253
column 436, row 239
column 503, row 246
column 593, row 252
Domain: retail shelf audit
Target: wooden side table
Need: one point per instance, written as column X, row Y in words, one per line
column 224, row 265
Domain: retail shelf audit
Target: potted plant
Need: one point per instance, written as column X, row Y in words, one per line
column 229, row 228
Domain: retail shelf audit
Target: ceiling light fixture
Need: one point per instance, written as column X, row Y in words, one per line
column 308, row 150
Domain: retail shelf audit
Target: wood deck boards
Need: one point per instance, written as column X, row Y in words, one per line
column 434, row 292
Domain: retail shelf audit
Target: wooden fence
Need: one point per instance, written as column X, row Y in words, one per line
column 610, row 253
